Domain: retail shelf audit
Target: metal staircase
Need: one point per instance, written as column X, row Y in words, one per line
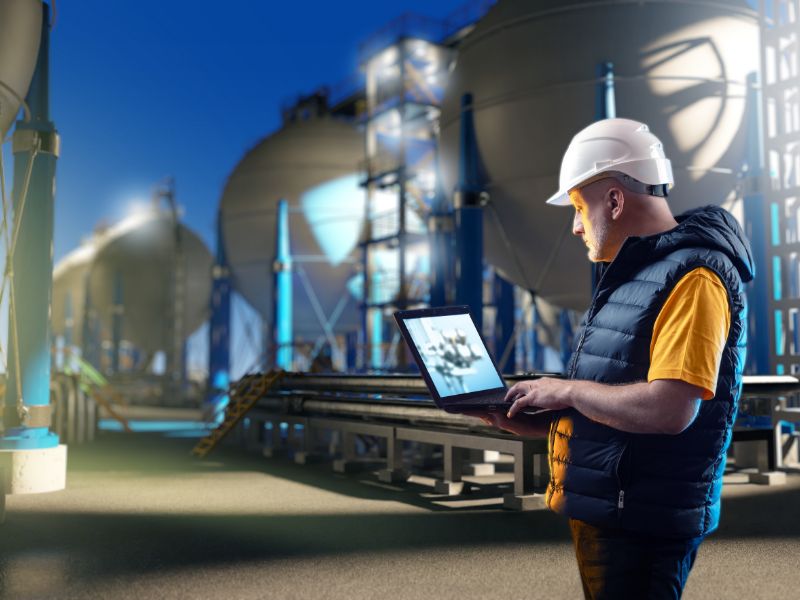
column 95, row 385
column 243, row 396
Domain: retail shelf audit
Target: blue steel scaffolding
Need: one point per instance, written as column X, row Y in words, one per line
column 780, row 68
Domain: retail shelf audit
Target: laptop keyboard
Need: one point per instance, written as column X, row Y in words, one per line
column 479, row 401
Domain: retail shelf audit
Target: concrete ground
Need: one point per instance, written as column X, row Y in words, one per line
column 142, row 519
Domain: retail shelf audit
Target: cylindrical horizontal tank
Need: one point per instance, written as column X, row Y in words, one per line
column 313, row 164
column 20, row 33
column 134, row 260
column 680, row 67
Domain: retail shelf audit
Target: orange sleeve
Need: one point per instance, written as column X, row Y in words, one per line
column 690, row 332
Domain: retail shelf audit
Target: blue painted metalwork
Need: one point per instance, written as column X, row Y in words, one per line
column 605, row 108
column 90, row 335
column 351, row 350
column 441, row 242
column 504, row 325
column 116, row 320
column 537, row 352
column 605, row 101
column 282, row 320
column 468, row 218
column 775, row 223
column 376, row 323
column 566, row 337
column 777, row 289
column 219, row 329
column 755, row 226
column 778, row 333
column 35, row 150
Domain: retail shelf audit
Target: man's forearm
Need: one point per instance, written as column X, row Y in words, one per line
column 631, row 407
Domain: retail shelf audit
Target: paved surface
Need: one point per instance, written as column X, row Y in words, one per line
column 142, row 519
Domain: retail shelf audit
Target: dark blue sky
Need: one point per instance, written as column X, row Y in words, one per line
column 149, row 89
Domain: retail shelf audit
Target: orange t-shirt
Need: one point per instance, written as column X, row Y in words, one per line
column 690, row 332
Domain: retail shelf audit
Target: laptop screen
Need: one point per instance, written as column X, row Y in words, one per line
column 454, row 354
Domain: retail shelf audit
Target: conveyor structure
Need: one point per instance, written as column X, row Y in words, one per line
column 318, row 417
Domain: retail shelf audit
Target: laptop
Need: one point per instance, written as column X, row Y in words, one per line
column 454, row 360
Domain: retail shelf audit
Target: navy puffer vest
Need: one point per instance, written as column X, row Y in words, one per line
column 666, row 485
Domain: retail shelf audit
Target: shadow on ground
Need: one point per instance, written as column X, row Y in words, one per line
column 97, row 544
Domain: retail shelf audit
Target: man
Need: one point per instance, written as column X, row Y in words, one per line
column 643, row 421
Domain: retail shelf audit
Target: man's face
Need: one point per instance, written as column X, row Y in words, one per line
column 591, row 222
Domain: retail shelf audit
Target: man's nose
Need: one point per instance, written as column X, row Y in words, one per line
column 577, row 225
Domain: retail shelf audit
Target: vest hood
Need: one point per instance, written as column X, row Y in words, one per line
column 705, row 227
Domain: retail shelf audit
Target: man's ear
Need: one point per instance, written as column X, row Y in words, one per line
column 615, row 199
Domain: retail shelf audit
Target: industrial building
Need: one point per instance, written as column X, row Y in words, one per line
column 318, row 464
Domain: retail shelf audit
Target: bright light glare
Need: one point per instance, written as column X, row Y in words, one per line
column 138, row 207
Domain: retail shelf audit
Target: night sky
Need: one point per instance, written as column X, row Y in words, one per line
column 150, row 89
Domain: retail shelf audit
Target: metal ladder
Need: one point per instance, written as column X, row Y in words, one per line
column 244, row 395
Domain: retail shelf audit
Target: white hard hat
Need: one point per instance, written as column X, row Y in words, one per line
column 619, row 145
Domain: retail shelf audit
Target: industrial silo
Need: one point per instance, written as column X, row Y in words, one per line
column 20, row 33
column 312, row 162
column 680, row 67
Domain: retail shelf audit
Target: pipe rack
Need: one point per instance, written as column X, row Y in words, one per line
column 398, row 409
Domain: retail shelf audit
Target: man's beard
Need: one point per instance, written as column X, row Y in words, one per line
column 599, row 241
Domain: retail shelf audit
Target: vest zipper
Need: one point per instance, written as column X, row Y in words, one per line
column 589, row 315
column 621, row 472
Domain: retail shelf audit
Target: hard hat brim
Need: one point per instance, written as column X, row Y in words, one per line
column 559, row 199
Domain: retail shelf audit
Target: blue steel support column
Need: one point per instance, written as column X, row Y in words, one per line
column 537, row 352
column 504, row 325
column 566, row 337
column 376, row 322
column 69, row 321
column 605, row 101
column 440, row 225
column 755, row 226
column 605, row 108
column 35, row 147
column 468, row 219
column 219, row 327
column 282, row 289
column 90, row 339
column 116, row 321
column 351, row 350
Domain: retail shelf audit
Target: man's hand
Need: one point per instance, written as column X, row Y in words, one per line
column 525, row 425
column 539, row 393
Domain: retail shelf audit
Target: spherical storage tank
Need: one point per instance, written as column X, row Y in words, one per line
column 312, row 163
column 134, row 260
column 20, row 33
column 680, row 67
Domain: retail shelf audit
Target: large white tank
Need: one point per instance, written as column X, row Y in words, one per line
column 138, row 252
column 680, row 67
column 313, row 164
column 20, row 33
